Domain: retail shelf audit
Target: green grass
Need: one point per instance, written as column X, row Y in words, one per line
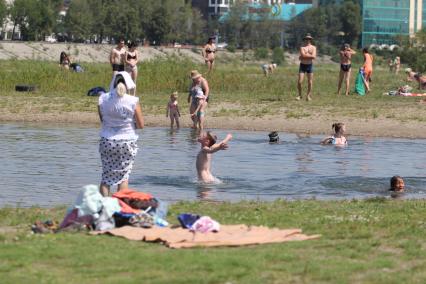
column 370, row 241
column 240, row 87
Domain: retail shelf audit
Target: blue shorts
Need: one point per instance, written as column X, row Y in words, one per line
column 306, row 68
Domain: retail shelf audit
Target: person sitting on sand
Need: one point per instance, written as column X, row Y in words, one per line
column 204, row 157
column 337, row 138
column 415, row 76
column 397, row 184
column 268, row 68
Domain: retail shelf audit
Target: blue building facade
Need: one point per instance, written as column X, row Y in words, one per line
column 383, row 20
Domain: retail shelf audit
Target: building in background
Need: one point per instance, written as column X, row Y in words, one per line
column 7, row 27
column 383, row 20
column 214, row 9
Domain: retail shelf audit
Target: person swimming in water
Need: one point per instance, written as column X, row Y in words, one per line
column 337, row 139
column 204, row 157
column 397, row 184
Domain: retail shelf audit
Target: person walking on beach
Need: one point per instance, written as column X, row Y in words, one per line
column 131, row 58
column 120, row 115
column 116, row 57
column 173, row 110
column 367, row 67
column 199, row 85
column 204, row 157
column 345, row 67
column 209, row 51
column 308, row 53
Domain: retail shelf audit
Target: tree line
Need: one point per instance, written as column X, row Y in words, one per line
column 96, row 20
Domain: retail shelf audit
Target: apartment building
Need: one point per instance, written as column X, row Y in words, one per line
column 383, row 20
column 217, row 8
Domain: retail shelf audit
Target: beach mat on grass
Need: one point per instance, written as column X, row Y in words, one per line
column 229, row 235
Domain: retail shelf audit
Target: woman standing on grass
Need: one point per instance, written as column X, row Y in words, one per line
column 120, row 115
column 368, row 67
column 345, row 67
column 209, row 51
column 199, row 85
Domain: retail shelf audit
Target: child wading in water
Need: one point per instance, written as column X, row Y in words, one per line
column 173, row 110
column 337, row 138
column 204, row 157
column 397, row 184
column 200, row 111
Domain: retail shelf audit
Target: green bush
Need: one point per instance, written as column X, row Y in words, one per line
column 278, row 56
column 231, row 48
column 261, row 53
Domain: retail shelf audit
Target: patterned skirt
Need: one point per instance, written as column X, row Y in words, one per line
column 117, row 160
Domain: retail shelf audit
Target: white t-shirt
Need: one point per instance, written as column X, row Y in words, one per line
column 118, row 116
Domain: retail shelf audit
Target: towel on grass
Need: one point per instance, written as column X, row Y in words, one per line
column 229, row 235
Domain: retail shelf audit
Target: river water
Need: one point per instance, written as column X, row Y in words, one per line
column 46, row 165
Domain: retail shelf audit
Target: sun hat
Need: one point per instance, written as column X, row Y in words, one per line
column 195, row 74
column 308, row 36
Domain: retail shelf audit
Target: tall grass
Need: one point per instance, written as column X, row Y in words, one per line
column 238, row 84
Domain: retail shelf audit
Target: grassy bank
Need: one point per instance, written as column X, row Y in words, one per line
column 371, row 241
column 237, row 90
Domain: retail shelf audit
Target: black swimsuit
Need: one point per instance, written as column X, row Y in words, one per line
column 345, row 67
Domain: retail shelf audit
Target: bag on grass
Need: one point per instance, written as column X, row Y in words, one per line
column 96, row 91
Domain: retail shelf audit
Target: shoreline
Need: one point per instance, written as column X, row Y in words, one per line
column 378, row 127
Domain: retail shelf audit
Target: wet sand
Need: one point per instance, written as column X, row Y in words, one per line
column 379, row 127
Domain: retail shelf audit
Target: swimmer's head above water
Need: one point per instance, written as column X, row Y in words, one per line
column 397, row 184
column 273, row 137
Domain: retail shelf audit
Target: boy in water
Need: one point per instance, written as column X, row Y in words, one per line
column 397, row 184
column 204, row 157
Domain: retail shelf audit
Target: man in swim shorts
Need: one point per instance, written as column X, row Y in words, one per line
column 116, row 57
column 308, row 53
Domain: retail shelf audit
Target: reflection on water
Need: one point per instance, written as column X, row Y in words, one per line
column 47, row 165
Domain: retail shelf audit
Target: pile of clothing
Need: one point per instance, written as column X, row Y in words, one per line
column 405, row 91
column 92, row 211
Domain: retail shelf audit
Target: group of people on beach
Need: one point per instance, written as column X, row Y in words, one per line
column 121, row 115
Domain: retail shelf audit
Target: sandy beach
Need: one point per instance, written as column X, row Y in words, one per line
column 380, row 127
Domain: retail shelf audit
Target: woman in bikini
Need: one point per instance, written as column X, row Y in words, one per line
column 132, row 58
column 209, row 51
column 345, row 67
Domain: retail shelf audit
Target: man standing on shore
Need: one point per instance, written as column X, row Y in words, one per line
column 116, row 57
column 308, row 53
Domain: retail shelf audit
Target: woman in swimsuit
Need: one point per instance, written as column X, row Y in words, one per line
column 64, row 60
column 199, row 85
column 337, row 139
column 209, row 53
column 132, row 58
column 345, row 67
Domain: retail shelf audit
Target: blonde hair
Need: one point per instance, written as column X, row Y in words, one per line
column 174, row 95
column 121, row 89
